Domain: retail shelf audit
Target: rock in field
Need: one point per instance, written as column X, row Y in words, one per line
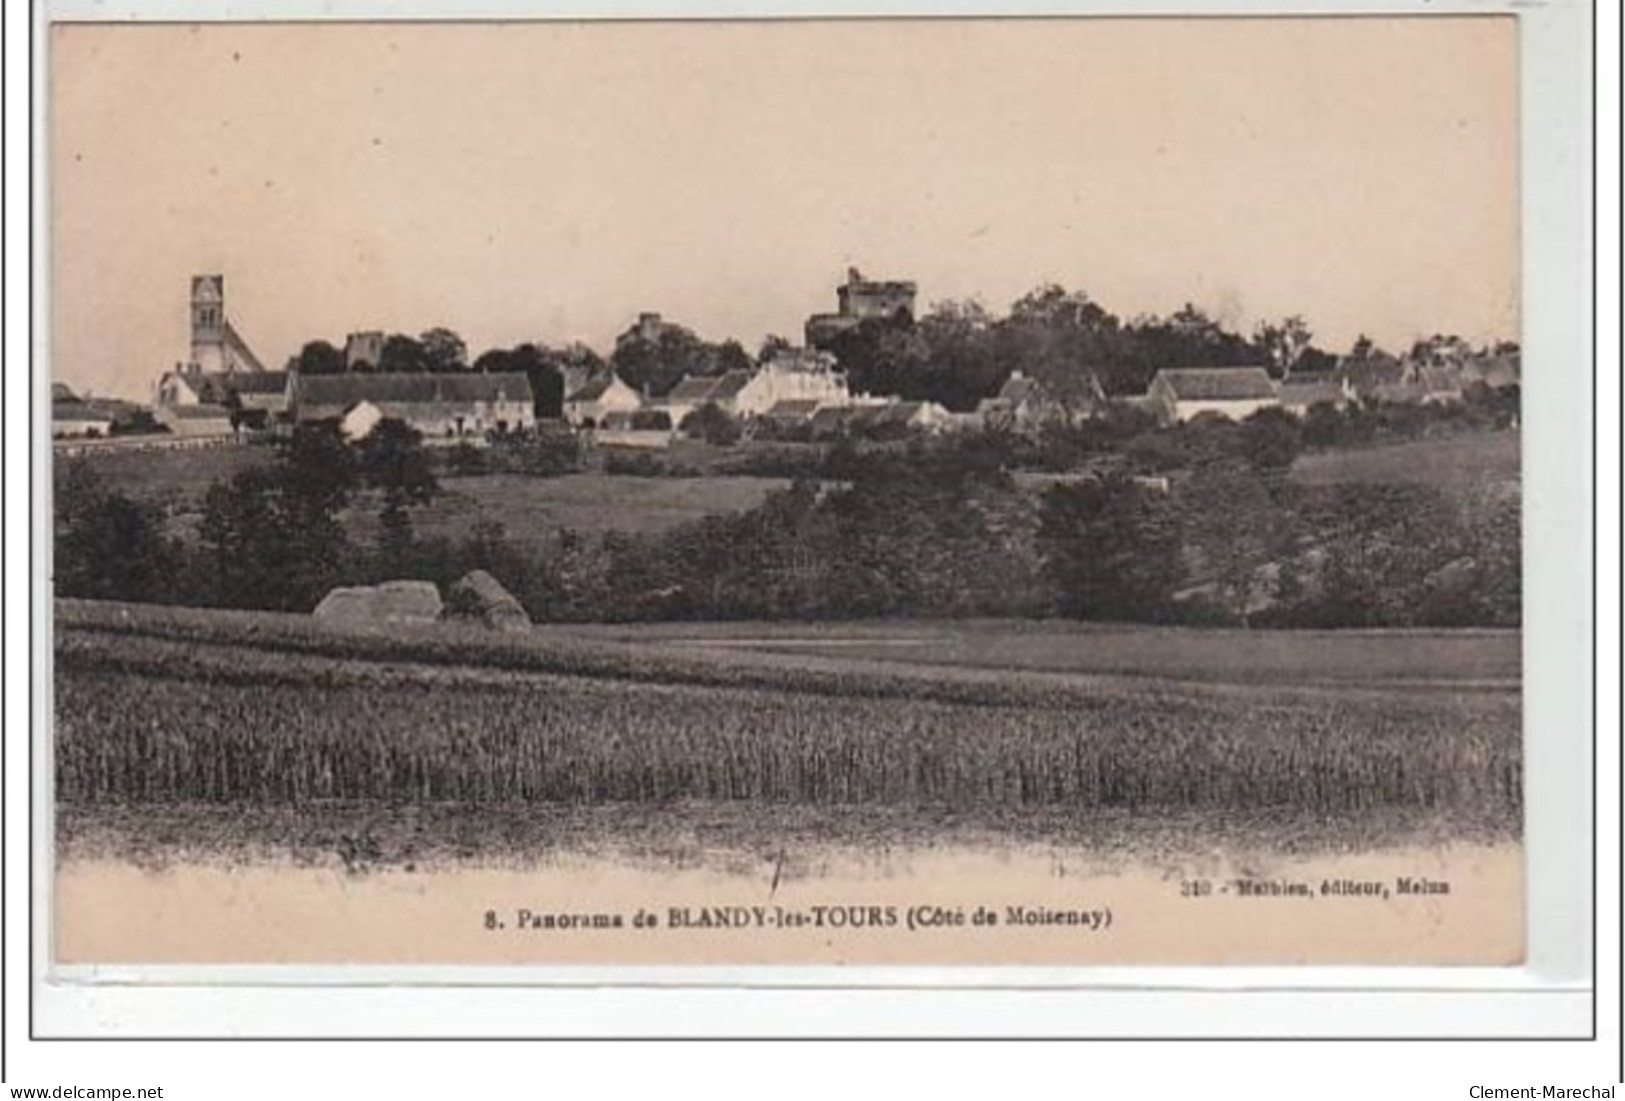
column 479, row 596
column 391, row 602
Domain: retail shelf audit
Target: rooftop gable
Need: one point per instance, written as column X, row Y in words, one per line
column 1218, row 383
column 414, row 389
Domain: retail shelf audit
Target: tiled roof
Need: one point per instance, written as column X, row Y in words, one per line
column 256, row 382
column 594, row 388
column 1308, row 392
column 77, row 411
column 1219, row 383
column 830, row 418
column 413, row 389
column 730, row 384
column 1364, row 374
column 200, row 412
column 696, row 389
column 792, row 410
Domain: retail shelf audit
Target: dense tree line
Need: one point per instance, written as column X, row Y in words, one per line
column 1192, row 525
column 958, row 353
column 655, row 366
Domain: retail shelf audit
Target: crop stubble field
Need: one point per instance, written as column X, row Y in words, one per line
column 184, row 733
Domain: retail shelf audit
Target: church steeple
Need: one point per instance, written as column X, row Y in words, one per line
column 208, row 321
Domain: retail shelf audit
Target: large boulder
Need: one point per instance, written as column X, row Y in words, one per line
column 390, row 602
column 479, row 596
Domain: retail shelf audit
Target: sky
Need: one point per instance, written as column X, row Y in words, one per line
column 548, row 181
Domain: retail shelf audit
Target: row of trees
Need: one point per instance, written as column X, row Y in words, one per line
column 934, row 528
column 957, row 353
column 435, row 350
column 270, row 537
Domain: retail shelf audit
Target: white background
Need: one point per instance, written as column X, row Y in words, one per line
column 1558, row 238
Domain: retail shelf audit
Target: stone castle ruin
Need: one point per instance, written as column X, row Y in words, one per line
column 859, row 300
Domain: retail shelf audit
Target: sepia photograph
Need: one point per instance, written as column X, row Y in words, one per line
column 910, row 491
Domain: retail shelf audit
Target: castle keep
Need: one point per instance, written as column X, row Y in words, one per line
column 859, row 300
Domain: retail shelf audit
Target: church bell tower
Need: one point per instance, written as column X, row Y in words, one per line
column 209, row 322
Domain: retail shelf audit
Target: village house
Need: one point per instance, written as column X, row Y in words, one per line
column 796, row 374
column 257, row 399
column 697, row 391
column 1365, row 375
column 1300, row 394
column 598, row 396
column 1181, row 394
column 445, row 407
column 1421, row 384
column 906, row 416
column 77, row 419
column 791, row 414
column 647, row 429
column 199, row 420
column 796, row 382
column 261, row 396
column 885, row 419
column 1024, row 402
column 1494, row 369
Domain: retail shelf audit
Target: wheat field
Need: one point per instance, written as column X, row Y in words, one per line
column 167, row 709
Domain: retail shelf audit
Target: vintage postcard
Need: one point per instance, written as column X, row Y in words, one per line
column 786, row 492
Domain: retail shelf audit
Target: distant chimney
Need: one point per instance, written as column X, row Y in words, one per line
column 649, row 327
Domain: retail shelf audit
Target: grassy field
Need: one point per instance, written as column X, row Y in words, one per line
column 1387, row 659
column 172, row 476
column 531, row 509
column 243, row 732
column 1467, row 461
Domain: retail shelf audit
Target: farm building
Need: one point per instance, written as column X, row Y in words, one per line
column 798, row 375
column 643, row 428
column 198, row 420
column 1364, row 376
column 694, row 392
column 895, row 418
column 1180, row 394
column 790, row 414
column 259, row 395
column 923, row 416
column 1025, row 402
column 598, row 396
column 441, row 406
column 75, row 419
column 795, row 375
column 1422, row 385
